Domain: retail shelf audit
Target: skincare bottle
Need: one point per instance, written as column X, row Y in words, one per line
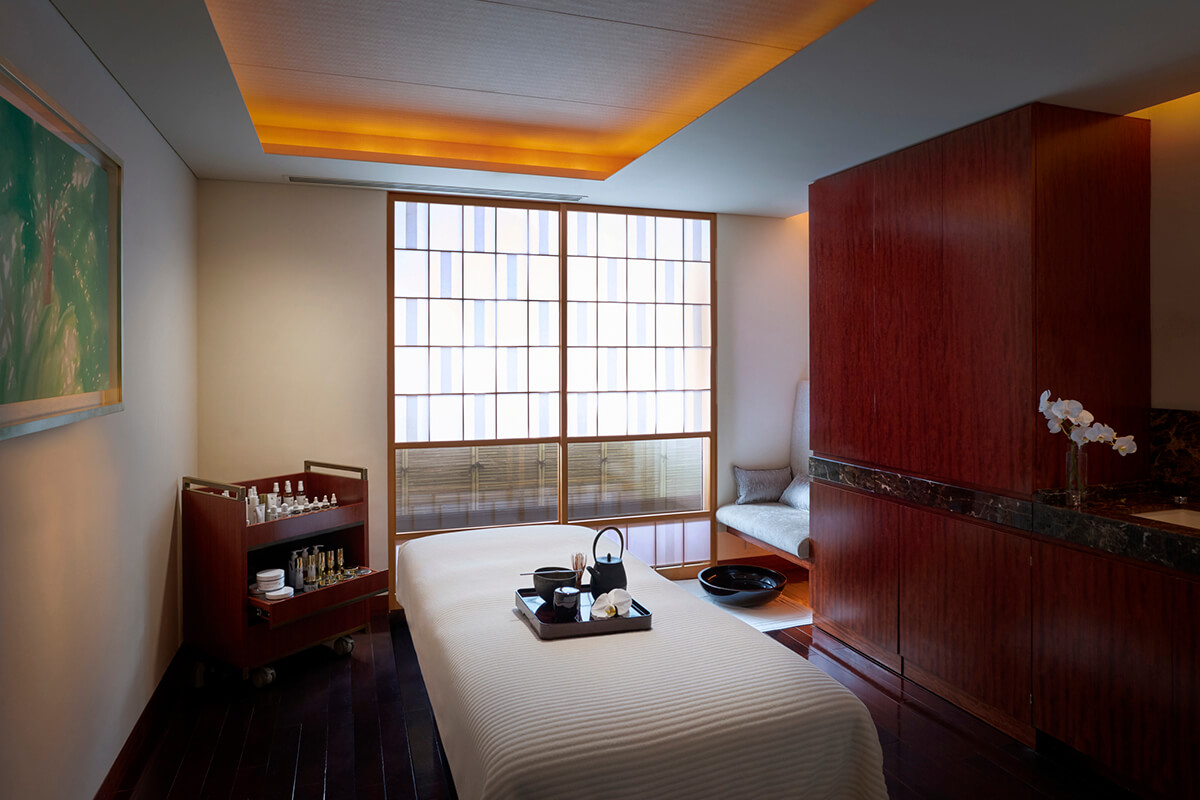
column 260, row 512
column 289, row 499
column 273, row 495
column 325, row 501
column 252, row 506
column 322, row 579
column 310, row 576
column 300, row 497
column 333, row 500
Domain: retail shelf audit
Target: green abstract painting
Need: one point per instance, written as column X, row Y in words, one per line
column 55, row 296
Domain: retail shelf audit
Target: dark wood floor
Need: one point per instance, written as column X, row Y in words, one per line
column 361, row 727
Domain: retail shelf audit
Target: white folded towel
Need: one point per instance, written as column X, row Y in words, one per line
column 612, row 604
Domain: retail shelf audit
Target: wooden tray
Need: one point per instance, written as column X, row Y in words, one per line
column 539, row 615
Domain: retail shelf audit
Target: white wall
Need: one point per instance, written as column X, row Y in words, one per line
column 88, row 535
column 293, row 328
column 1175, row 253
column 762, row 344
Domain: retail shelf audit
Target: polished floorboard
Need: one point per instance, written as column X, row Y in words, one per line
column 361, row 727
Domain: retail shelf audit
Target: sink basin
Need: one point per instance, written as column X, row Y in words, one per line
column 1175, row 516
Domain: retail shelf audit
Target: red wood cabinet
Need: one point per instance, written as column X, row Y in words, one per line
column 1186, row 688
column 965, row 624
column 855, row 592
column 995, row 261
column 841, row 239
column 1102, row 661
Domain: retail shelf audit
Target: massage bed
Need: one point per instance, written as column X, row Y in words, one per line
column 699, row 706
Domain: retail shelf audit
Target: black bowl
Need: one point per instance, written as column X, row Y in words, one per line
column 742, row 584
column 547, row 579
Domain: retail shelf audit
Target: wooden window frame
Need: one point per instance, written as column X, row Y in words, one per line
column 395, row 538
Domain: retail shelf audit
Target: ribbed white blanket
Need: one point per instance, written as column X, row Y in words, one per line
column 700, row 706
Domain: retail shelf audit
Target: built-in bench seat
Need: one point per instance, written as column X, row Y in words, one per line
column 783, row 528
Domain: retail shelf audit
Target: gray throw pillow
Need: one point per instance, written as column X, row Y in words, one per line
column 796, row 494
column 760, row 485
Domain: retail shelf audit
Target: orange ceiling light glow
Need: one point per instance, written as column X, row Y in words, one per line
column 570, row 88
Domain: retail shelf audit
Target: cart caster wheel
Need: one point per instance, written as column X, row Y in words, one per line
column 343, row 645
column 262, row 676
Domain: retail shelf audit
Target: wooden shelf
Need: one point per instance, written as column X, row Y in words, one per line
column 264, row 534
column 305, row 604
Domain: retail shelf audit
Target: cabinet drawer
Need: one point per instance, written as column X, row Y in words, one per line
column 281, row 612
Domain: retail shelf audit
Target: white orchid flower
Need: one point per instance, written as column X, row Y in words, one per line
column 1079, row 435
column 1102, row 433
column 1125, row 445
column 1084, row 418
column 1044, row 402
column 1074, row 410
column 1054, row 425
column 1059, row 409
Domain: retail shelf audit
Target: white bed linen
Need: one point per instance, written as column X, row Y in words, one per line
column 700, row 706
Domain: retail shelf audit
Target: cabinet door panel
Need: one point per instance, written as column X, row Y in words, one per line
column 910, row 338
column 1102, row 660
column 987, row 292
column 841, row 288
column 965, row 591
column 1187, row 688
column 853, row 539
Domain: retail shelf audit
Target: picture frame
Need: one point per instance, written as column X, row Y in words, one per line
column 61, row 342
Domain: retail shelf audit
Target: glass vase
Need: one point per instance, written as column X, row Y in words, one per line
column 1076, row 475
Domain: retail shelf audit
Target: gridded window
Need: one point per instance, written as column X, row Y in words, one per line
column 535, row 381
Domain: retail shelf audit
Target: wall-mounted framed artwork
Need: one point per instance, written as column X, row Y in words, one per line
column 60, row 265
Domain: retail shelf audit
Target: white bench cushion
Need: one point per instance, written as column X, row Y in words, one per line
column 780, row 526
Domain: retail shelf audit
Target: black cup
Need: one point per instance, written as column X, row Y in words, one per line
column 547, row 579
column 566, row 604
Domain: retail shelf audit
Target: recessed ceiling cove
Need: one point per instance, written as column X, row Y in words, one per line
column 569, row 88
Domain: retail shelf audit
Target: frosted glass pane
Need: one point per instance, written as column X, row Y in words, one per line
column 640, row 231
column 412, row 225
column 445, row 227
column 543, row 278
column 610, row 280
column 697, row 409
column 696, row 284
column 512, row 416
column 543, row 323
column 512, row 323
column 669, row 326
column 512, row 369
column 581, row 369
column 581, row 279
column 669, row 238
column 610, row 414
column 412, row 274
column 697, row 544
column 479, row 229
column 669, row 367
column 581, row 233
column 697, row 331
column 445, row 370
column 479, row 421
column 479, row 370
column 412, row 370
column 479, row 323
column 445, row 418
column 445, row 322
column 610, row 234
column 512, row 277
column 543, row 369
column 445, row 274
column 670, row 412
column 696, row 363
column 543, row 232
column 668, row 281
column 641, row 412
column 543, row 414
column 641, row 542
column 641, row 368
column 581, row 324
column 610, row 367
column 410, row 321
column 668, row 538
column 611, row 325
column 641, row 325
column 696, row 239
column 479, row 275
column 412, row 419
column 581, row 414
column 512, row 230
column 641, row 277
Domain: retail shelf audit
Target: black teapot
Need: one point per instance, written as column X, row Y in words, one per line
column 609, row 572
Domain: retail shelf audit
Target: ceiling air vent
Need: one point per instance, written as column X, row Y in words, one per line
column 425, row 188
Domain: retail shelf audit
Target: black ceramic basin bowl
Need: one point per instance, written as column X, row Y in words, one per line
column 742, row 584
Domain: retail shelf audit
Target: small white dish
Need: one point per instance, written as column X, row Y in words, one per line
column 280, row 594
column 267, row 576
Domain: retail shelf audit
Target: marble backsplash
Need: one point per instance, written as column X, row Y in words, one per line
column 1175, row 450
